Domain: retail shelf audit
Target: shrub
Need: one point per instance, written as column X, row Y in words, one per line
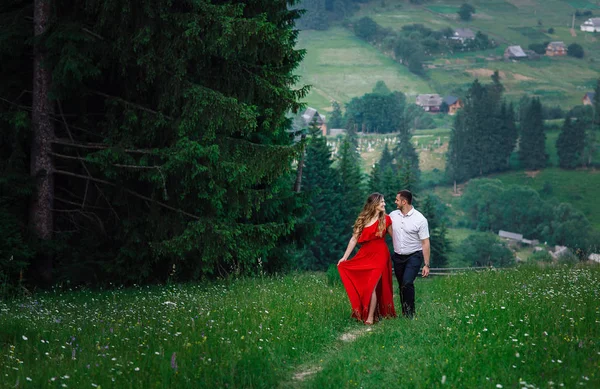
column 541, row 256
column 333, row 275
column 575, row 50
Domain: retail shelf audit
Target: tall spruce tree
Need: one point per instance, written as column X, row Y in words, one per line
column 440, row 245
column 321, row 182
column 170, row 144
column 569, row 144
column 352, row 191
column 336, row 117
column 510, row 134
column 406, row 156
column 596, row 105
column 532, row 143
column 383, row 177
column 483, row 135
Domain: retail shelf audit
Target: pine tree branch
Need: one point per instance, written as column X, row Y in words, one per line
column 134, row 105
column 74, row 203
column 97, row 146
column 85, row 167
column 92, row 33
column 79, row 158
column 131, row 192
column 88, row 215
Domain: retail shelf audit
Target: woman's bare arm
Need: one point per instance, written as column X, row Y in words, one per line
column 351, row 246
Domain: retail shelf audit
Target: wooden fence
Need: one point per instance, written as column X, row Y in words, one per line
column 448, row 271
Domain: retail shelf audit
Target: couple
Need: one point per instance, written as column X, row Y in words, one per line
column 367, row 276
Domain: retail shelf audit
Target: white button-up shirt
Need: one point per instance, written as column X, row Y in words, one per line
column 409, row 231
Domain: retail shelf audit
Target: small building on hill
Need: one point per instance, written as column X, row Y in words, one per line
column 463, row 34
column 453, row 103
column 555, row 49
column 336, row 131
column 514, row 52
column 591, row 25
column 311, row 115
column 510, row 236
column 429, row 102
column 588, row 98
column 594, row 257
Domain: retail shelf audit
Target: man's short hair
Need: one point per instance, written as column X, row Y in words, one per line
column 406, row 195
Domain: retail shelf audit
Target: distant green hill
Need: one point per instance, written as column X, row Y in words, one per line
column 341, row 66
column 577, row 187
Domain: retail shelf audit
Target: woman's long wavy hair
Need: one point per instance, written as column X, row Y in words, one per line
column 368, row 212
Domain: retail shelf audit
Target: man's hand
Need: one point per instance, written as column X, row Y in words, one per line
column 425, row 271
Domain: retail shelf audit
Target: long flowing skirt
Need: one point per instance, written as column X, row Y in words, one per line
column 370, row 268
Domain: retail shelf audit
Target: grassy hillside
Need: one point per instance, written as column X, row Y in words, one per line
column 478, row 330
column 579, row 188
column 340, row 66
column 333, row 54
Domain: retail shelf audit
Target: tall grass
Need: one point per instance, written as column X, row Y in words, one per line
column 534, row 326
column 527, row 327
column 247, row 333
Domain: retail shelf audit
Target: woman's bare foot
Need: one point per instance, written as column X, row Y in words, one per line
column 369, row 322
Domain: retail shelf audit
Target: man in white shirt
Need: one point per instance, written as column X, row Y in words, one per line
column 410, row 234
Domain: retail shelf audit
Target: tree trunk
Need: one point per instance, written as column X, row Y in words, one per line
column 298, row 183
column 40, row 213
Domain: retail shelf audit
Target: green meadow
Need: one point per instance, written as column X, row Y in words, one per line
column 339, row 66
column 333, row 54
column 525, row 327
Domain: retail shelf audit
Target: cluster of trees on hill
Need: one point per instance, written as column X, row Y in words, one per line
column 381, row 111
column 415, row 42
column 491, row 206
column 318, row 14
column 485, row 134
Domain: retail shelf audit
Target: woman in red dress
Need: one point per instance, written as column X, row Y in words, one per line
column 367, row 276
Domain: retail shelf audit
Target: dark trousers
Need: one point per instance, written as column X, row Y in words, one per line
column 406, row 268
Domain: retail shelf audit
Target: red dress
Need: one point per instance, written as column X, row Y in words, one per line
column 364, row 271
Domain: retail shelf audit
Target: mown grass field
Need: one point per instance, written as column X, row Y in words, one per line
column 340, row 66
column 495, row 329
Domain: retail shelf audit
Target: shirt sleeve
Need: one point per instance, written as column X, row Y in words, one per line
column 424, row 230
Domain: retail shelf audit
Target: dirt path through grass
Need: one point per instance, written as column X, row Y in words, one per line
column 308, row 370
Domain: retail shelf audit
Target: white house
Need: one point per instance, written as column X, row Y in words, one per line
column 594, row 257
column 429, row 102
column 463, row 34
column 591, row 25
column 514, row 52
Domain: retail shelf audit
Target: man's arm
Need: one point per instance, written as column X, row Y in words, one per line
column 426, row 256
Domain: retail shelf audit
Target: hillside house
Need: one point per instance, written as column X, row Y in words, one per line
column 453, row 103
column 510, row 236
column 588, row 99
column 336, row 131
column 311, row 114
column 555, row 49
column 463, row 34
column 591, row 25
column 594, row 257
column 429, row 102
column 514, row 52
column 559, row 251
